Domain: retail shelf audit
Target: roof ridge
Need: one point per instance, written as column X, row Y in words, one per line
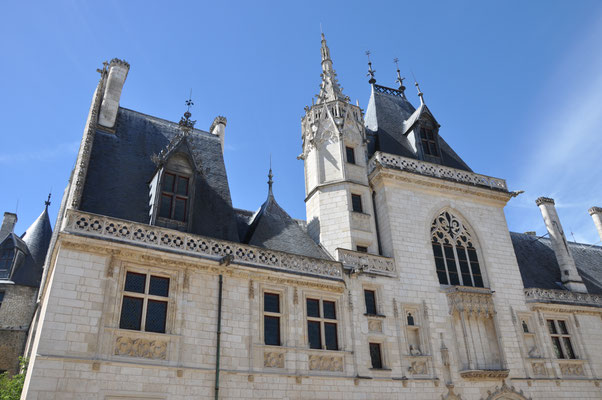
column 167, row 122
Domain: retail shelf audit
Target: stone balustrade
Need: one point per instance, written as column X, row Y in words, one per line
column 159, row 238
column 439, row 171
column 364, row 262
column 536, row 295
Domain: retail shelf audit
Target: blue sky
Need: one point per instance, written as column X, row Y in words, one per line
column 515, row 85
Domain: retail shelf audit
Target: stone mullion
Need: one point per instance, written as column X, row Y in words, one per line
column 468, row 355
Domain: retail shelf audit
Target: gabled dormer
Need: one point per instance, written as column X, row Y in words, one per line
column 422, row 132
column 171, row 189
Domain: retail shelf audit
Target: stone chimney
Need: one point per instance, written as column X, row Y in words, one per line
column 118, row 71
column 8, row 224
column 596, row 213
column 568, row 269
column 218, row 128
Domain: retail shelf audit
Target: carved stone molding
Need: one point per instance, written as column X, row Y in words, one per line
column 470, row 300
column 571, row 369
column 539, row 369
column 140, row 347
column 273, row 359
column 169, row 239
column 435, row 170
column 505, row 392
column 418, row 367
column 535, row 295
column 359, row 262
column 375, row 325
column 450, row 394
column 325, row 363
column 484, row 374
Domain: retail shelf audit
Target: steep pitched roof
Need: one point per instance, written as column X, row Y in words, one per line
column 390, row 116
column 121, row 167
column 539, row 267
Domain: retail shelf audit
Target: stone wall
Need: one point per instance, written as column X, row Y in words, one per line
column 16, row 313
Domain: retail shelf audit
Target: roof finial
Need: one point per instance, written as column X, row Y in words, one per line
column 185, row 122
column 270, row 176
column 399, row 79
column 371, row 72
column 47, row 202
column 420, row 94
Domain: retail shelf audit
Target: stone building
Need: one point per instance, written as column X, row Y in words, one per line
column 404, row 282
column 21, row 261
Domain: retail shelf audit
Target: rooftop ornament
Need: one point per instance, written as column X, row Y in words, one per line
column 371, row 72
column 399, row 79
column 185, row 122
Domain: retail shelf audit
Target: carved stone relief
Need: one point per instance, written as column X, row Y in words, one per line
column 273, row 359
column 505, row 392
column 539, row 369
column 569, row 369
column 418, row 368
column 325, row 363
column 375, row 325
column 139, row 347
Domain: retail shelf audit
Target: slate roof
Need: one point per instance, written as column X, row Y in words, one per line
column 271, row 227
column 388, row 117
column 121, row 167
column 539, row 268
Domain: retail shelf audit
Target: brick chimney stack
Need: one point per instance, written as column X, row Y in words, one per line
column 118, row 71
column 218, row 128
column 568, row 269
column 8, row 224
column 596, row 213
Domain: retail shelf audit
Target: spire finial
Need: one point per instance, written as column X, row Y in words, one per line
column 399, row 79
column 270, row 176
column 47, row 202
column 420, row 94
column 371, row 72
column 185, row 122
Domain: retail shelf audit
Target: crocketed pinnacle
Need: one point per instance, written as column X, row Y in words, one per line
column 329, row 88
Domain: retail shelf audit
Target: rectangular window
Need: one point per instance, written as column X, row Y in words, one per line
column 370, row 298
column 322, row 324
column 174, row 197
column 144, row 303
column 429, row 143
column 561, row 339
column 271, row 319
column 6, row 260
column 376, row 356
column 350, row 155
column 356, row 203
column 361, row 249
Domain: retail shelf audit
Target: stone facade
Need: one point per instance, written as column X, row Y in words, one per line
column 16, row 312
column 417, row 339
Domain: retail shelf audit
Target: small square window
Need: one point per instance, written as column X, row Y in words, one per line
column 376, row 356
column 356, row 203
column 361, row 249
column 350, row 155
column 370, row 298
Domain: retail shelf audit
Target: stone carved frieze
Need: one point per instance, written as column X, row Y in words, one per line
column 505, row 392
column 539, row 369
column 325, row 363
column 535, row 295
column 273, row 359
column 418, row 367
column 425, row 168
column 169, row 239
column 572, row 369
column 361, row 262
column 484, row 374
column 375, row 325
column 140, row 347
column 470, row 300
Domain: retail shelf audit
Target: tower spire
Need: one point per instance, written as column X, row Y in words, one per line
column 270, row 181
column 329, row 88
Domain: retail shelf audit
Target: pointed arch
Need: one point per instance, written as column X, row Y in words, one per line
column 455, row 249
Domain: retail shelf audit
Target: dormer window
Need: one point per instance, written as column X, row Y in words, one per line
column 428, row 137
column 7, row 254
column 174, row 196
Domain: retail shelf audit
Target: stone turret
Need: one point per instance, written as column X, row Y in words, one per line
column 596, row 213
column 118, row 71
column 568, row 270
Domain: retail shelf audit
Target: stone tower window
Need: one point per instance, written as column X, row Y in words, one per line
column 356, row 203
column 350, row 152
column 456, row 257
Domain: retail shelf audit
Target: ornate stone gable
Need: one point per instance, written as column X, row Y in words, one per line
column 505, row 392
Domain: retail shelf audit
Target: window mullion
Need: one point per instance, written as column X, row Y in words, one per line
column 458, row 265
column 445, row 263
column 468, row 262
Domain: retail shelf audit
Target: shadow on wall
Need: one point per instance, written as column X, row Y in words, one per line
column 313, row 230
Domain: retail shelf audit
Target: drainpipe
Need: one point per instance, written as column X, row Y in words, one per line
column 219, row 334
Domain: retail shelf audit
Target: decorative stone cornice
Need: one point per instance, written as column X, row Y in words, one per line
column 595, row 210
column 218, row 120
column 544, row 200
column 484, row 374
column 358, row 262
column 470, row 300
column 117, row 61
column 536, row 295
column 434, row 170
column 159, row 238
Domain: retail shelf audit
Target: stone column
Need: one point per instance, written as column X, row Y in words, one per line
column 596, row 213
column 118, row 71
column 218, row 128
column 568, row 269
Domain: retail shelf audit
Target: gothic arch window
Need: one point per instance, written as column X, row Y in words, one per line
column 455, row 253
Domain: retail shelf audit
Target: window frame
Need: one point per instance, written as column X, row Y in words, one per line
column 376, row 301
column 271, row 314
column 561, row 338
column 361, row 249
column 5, row 248
column 353, row 204
column 148, row 273
column 323, row 321
column 380, row 354
column 174, row 195
column 350, row 150
column 426, row 141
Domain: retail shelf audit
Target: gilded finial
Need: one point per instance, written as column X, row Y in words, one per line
column 370, row 70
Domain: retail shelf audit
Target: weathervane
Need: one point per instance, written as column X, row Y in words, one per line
column 370, row 70
column 399, row 79
column 47, row 202
column 185, row 122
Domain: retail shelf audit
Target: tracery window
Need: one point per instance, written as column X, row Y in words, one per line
column 456, row 257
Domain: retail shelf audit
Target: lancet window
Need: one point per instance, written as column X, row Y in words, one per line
column 455, row 254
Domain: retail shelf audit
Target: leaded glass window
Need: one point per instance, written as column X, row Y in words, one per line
column 456, row 259
column 144, row 303
column 322, row 324
column 561, row 339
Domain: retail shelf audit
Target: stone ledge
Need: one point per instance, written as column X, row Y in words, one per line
column 536, row 295
column 359, row 262
column 484, row 374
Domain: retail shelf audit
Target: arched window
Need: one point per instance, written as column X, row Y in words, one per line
column 455, row 254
